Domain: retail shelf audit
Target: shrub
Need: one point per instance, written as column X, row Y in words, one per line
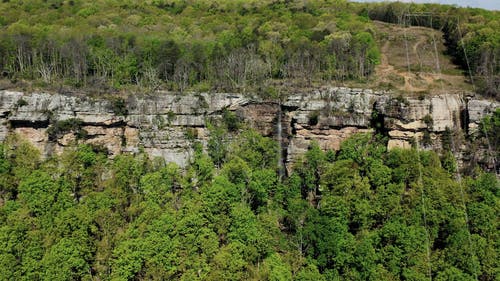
column 313, row 118
column 233, row 122
column 21, row 102
column 119, row 107
column 428, row 121
column 61, row 127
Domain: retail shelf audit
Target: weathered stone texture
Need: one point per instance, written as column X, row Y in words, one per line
column 167, row 124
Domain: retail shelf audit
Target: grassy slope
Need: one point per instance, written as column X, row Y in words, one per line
column 427, row 74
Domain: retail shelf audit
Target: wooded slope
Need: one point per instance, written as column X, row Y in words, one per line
column 220, row 45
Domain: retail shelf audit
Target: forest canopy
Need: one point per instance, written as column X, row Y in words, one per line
column 220, row 45
column 362, row 213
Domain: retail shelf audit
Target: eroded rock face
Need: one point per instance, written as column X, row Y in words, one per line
column 167, row 125
column 328, row 117
column 163, row 126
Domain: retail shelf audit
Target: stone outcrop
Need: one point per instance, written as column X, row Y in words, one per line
column 168, row 124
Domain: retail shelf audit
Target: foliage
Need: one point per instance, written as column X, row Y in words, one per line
column 231, row 120
column 472, row 36
column 119, row 107
column 490, row 129
column 223, row 45
column 355, row 214
column 21, row 102
column 484, row 150
column 61, row 127
column 178, row 45
column 313, row 118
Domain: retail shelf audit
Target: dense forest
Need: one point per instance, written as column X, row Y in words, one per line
column 104, row 46
column 361, row 213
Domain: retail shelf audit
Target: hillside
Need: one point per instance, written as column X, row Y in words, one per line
column 227, row 140
column 428, row 74
column 242, row 46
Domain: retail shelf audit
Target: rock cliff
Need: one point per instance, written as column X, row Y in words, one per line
column 167, row 124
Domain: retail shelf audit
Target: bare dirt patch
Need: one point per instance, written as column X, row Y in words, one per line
column 413, row 61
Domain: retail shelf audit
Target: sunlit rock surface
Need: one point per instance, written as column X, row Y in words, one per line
column 167, row 125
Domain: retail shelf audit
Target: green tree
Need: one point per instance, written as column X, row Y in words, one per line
column 67, row 259
column 161, row 186
column 43, row 196
column 229, row 263
column 217, row 145
column 276, row 269
column 258, row 151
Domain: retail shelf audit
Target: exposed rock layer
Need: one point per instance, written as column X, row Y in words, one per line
column 167, row 124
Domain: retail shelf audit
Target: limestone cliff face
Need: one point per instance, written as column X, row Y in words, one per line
column 167, row 124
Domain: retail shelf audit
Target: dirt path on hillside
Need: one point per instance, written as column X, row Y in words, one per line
column 384, row 66
column 392, row 72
